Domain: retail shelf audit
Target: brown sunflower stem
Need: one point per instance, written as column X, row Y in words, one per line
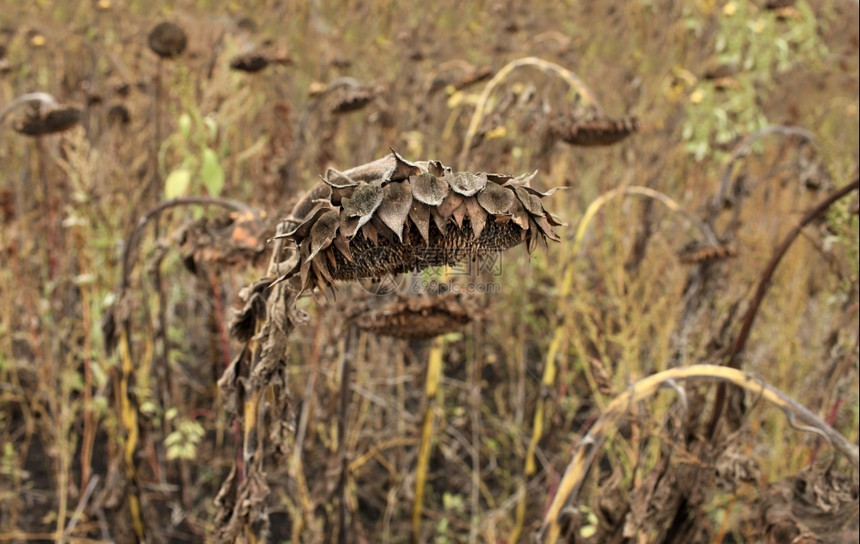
column 741, row 340
column 578, row 468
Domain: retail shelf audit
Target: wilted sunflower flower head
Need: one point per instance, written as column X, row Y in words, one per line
column 397, row 216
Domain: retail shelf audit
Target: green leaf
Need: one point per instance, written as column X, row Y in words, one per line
column 211, row 172
column 177, row 183
column 184, row 126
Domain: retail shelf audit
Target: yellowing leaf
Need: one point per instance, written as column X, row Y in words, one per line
column 177, row 183
column 211, row 172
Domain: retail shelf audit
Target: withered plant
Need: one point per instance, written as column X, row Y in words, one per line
column 385, row 217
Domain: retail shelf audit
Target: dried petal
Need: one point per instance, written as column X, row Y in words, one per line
column 496, row 199
column 441, row 222
column 364, row 201
column 477, row 217
column 420, row 215
column 531, row 202
column 546, row 228
column 342, row 245
column 370, row 234
column 323, row 232
column 304, row 229
column 451, row 203
column 348, row 225
column 437, row 169
column 500, row 179
column 402, row 168
column 396, row 203
column 459, row 214
column 519, row 215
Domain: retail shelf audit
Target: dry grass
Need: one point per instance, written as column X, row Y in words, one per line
column 463, row 438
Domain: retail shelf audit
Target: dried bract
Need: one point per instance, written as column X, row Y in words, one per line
column 410, row 217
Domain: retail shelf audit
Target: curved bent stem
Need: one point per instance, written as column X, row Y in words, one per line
column 577, row 470
column 571, row 78
column 44, row 98
column 595, row 206
column 134, row 238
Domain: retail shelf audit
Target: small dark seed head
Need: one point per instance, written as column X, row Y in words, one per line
column 38, row 123
column 167, row 40
column 118, row 115
column 249, row 62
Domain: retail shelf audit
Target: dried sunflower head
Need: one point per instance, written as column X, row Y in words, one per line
column 591, row 129
column 350, row 99
column 417, row 317
column 48, row 120
column 255, row 61
column 167, row 40
column 411, row 216
column 238, row 238
column 697, row 252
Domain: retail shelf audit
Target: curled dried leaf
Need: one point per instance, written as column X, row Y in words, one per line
column 363, row 202
column 323, row 232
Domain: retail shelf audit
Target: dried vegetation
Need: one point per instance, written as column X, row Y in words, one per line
column 313, row 338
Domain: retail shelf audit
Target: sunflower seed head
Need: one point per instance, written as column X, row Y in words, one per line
column 592, row 130
column 417, row 317
column 410, row 216
column 48, row 121
column 167, row 40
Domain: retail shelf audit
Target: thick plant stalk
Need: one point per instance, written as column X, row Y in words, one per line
column 577, row 470
column 547, row 381
column 740, row 341
column 431, row 390
column 128, row 417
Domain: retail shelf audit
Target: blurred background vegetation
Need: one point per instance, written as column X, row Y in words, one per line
column 746, row 116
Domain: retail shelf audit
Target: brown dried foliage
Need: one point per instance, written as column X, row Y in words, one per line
column 237, row 239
